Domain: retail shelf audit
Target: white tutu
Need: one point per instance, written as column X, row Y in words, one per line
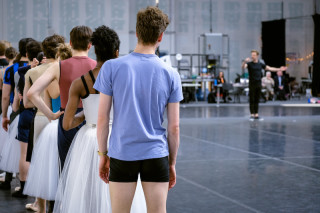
column 3, row 133
column 40, row 121
column 43, row 175
column 10, row 155
column 3, row 136
column 80, row 188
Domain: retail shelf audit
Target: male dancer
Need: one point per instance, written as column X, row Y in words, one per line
column 65, row 72
column 8, row 95
column 141, row 87
column 255, row 75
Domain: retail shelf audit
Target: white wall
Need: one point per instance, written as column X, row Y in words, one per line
column 241, row 20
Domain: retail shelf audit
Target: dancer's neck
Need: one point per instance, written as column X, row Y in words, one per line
column 50, row 60
column 23, row 58
column 80, row 52
column 10, row 63
column 146, row 49
column 98, row 66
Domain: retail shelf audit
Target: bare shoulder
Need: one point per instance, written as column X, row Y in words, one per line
column 77, row 84
column 54, row 70
column 77, row 87
column 31, row 72
column 89, row 81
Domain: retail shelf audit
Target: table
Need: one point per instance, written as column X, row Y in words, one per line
column 198, row 80
column 241, row 87
column 196, row 85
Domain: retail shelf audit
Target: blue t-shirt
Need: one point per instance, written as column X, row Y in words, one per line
column 141, row 85
column 8, row 77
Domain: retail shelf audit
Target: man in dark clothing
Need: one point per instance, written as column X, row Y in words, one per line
column 281, row 86
column 255, row 68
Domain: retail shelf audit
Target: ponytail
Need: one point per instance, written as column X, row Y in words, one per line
column 17, row 59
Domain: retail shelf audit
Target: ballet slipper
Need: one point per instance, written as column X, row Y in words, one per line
column 32, row 207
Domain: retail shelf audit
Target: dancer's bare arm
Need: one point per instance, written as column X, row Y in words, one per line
column 1, row 77
column 173, row 139
column 274, row 69
column 6, row 89
column 244, row 63
column 53, row 73
column 16, row 101
column 71, row 119
column 26, row 102
column 102, row 134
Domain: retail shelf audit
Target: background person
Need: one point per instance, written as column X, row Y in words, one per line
column 255, row 68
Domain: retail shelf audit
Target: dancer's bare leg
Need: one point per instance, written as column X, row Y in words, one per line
column 156, row 196
column 41, row 205
column 23, row 164
column 121, row 195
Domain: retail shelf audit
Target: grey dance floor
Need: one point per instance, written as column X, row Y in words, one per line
column 228, row 164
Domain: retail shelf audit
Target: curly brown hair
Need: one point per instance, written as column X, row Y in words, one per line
column 151, row 22
column 50, row 45
column 64, row 51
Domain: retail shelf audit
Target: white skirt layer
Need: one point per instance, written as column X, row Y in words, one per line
column 3, row 133
column 80, row 188
column 43, row 175
column 10, row 155
column 40, row 121
column 3, row 136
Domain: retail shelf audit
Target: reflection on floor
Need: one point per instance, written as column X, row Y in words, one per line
column 229, row 164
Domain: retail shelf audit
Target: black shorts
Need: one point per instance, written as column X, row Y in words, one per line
column 25, row 121
column 150, row 170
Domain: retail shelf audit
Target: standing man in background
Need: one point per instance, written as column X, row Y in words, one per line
column 255, row 68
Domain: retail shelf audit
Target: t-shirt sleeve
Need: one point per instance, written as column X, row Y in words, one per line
column 263, row 65
column 6, row 76
column 104, row 80
column 176, row 89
